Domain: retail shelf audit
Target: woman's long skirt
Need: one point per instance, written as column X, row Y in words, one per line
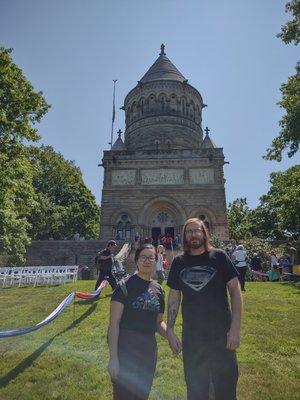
column 137, row 354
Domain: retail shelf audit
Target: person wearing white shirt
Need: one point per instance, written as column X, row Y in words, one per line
column 159, row 264
column 240, row 260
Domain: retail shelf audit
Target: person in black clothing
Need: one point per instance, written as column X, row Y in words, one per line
column 210, row 330
column 136, row 313
column 255, row 263
column 104, row 264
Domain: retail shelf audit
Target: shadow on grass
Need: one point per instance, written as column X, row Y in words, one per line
column 86, row 301
column 27, row 362
column 292, row 284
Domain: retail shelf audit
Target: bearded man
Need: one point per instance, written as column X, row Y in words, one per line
column 210, row 328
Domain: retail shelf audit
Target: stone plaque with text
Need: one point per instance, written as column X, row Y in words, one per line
column 162, row 176
column 201, row 176
column 123, row 177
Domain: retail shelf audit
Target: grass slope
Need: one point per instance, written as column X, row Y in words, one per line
column 67, row 359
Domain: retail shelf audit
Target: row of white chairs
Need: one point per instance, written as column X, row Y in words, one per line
column 37, row 276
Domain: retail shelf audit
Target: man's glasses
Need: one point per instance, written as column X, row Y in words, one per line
column 145, row 258
column 190, row 232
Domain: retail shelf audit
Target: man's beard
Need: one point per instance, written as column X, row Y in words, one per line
column 195, row 243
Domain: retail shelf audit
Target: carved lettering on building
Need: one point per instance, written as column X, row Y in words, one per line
column 162, row 176
column 123, row 177
column 202, row 176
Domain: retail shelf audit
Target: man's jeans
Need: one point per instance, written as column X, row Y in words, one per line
column 208, row 361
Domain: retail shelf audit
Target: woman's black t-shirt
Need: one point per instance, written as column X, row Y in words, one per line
column 202, row 280
column 144, row 301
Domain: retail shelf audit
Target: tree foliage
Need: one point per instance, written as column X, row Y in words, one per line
column 289, row 136
column 17, row 199
column 41, row 194
column 20, row 108
column 65, row 206
column 283, row 200
column 290, row 32
column 238, row 219
column 277, row 215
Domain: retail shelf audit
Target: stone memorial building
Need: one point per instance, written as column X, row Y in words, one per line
column 165, row 170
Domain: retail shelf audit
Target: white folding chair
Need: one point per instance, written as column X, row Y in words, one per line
column 72, row 273
column 32, row 275
column 59, row 275
column 3, row 275
column 15, row 276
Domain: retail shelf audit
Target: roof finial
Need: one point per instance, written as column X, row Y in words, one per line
column 207, row 130
column 162, row 50
column 119, row 133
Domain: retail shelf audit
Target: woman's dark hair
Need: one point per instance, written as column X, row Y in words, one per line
column 143, row 247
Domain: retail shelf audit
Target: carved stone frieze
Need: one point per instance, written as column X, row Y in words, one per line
column 162, row 176
column 162, row 119
column 201, row 176
column 123, row 177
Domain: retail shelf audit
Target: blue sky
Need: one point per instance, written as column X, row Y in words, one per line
column 73, row 49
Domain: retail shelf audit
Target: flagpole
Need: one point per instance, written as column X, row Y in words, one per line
column 113, row 114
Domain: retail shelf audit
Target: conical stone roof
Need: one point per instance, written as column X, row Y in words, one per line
column 208, row 143
column 119, row 144
column 162, row 69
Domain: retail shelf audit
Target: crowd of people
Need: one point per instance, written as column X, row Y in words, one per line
column 201, row 279
column 273, row 268
column 166, row 240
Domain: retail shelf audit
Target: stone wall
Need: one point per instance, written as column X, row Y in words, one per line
column 65, row 252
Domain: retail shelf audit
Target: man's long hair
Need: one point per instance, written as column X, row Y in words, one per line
column 207, row 244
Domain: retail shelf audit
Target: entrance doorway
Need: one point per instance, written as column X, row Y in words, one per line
column 155, row 232
column 169, row 230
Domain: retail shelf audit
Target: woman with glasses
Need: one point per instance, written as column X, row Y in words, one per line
column 136, row 313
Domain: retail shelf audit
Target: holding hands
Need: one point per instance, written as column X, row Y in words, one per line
column 174, row 342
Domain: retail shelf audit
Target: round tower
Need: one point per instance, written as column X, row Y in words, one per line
column 163, row 110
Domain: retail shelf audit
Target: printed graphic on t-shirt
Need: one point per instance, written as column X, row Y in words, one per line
column 147, row 301
column 197, row 277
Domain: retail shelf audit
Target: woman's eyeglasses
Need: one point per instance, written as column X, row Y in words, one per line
column 145, row 258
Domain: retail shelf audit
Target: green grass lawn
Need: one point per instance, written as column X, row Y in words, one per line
column 67, row 359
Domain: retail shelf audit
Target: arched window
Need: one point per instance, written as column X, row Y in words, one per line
column 142, row 107
column 192, row 110
column 128, row 230
column 162, row 102
column 123, row 227
column 134, row 111
column 203, row 218
column 183, row 106
column 152, row 103
column 173, row 103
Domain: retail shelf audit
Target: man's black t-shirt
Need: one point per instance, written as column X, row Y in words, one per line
column 144, row 301
column 105, row 265
column 202, row 280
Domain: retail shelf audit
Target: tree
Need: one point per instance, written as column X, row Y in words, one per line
column 263, row 223
column 283, row 201
column 20, row 108
column 289, row 136
column 238, row 219
column 65, row 206
column 290, row 32
column 277, row 215
column 17, row 199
